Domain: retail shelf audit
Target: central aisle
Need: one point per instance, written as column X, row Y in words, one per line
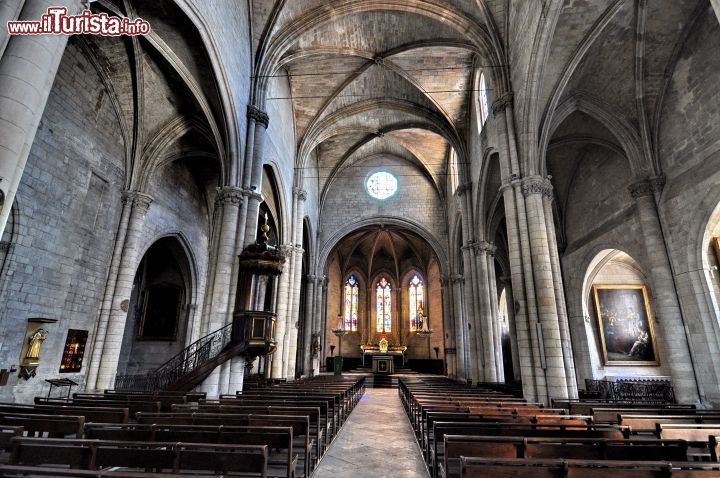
column 376, row 442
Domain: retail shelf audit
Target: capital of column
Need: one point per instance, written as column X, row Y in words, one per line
column 252, row 194
column 258, row 115
column 457, row 279
column 286, row 249
column 444, row 281
column 537, row 185
column 301, row 194
column 503, row 102
column 647, row 187
column 139, row 201
column 484, row 247
column 312, row 279
column 229, row 195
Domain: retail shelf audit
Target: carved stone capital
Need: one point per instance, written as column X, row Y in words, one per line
column 444, row 281
column 503, row 102
column 537, row 185
column 457, row 279
column 470, row 246
column 258, row 115
column 484, row 247
column 647, row 187
column 229, row 195
column 139, row 201
column 301, row 194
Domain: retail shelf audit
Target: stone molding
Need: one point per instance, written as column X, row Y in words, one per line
column 503, row 102
column 537, row 185
column 647, row 187
column 484, row 247
column 258, row 115
column 229, row 195
column 301, row 194
column 137, row 200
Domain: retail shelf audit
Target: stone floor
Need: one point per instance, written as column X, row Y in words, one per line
column 376, row 442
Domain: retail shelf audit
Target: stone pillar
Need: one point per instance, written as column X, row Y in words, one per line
column 109, row 294
column 449, row 325
column 486, row 322
column 219, row 308
column 678, row 353
column 27, row 71
column 300, row 196
column 716, row 6
column 255, row 183
column 462, row 342
column 565, row 337
column 533, row 189
column 279, row 357
column 123, row 289
column 9, row 11
column 308, row 327
column 488, row 250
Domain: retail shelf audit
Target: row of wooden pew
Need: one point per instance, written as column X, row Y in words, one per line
column 280, row 431
column 472, row 432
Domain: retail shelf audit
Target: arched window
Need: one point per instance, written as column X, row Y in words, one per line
column 351, row 303
column 384, row 306
column 416, row 295
column 454, row 173
column 483, row 109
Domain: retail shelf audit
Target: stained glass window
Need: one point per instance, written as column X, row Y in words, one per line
column 384, row 304
column 381, row 185
column 351, row 303
column 417, row 296
column 482, row 100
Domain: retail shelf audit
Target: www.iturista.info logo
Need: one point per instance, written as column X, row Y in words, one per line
column 57, row 22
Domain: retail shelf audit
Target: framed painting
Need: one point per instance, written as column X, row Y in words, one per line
column 627, row 335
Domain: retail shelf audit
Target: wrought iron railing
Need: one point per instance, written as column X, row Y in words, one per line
column 191, row 358
column 644, row 391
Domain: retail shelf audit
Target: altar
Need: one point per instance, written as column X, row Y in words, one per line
column 376, row 359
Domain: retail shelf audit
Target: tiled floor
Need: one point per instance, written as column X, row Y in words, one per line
column 376, row 442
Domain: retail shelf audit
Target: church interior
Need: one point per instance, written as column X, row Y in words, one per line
column 519, row 197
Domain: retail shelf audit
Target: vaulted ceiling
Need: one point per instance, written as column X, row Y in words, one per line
column 376, row 77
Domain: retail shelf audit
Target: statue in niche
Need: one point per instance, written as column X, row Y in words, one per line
column 34, row 343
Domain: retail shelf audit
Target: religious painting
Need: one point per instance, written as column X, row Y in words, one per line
column 74, row 351
column 160, row 313
column 627, row 336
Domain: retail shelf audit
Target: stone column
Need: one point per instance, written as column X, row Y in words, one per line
column 279, row 357
column 27, row 71
column 486, row 322
column 567, row 343
column 298, row 215
column 255, row 184
column 9, row 11
column 123, row 289
column 533, row 189
column 670, row 324
column 716, row 6
column 489, row 252
column 219, row 308
column 462, row 342
column 449, row 325
column 308, row 327
column 102, row 323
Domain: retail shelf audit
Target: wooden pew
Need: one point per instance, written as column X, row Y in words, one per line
column 518, row 468
column 46, row 425
column 11, row 471
column 282, row 461
column 157, row 456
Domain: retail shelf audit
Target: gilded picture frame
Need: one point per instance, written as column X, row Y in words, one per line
column 625, row 323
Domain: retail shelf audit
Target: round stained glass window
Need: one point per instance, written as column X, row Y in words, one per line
column 381, row 185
